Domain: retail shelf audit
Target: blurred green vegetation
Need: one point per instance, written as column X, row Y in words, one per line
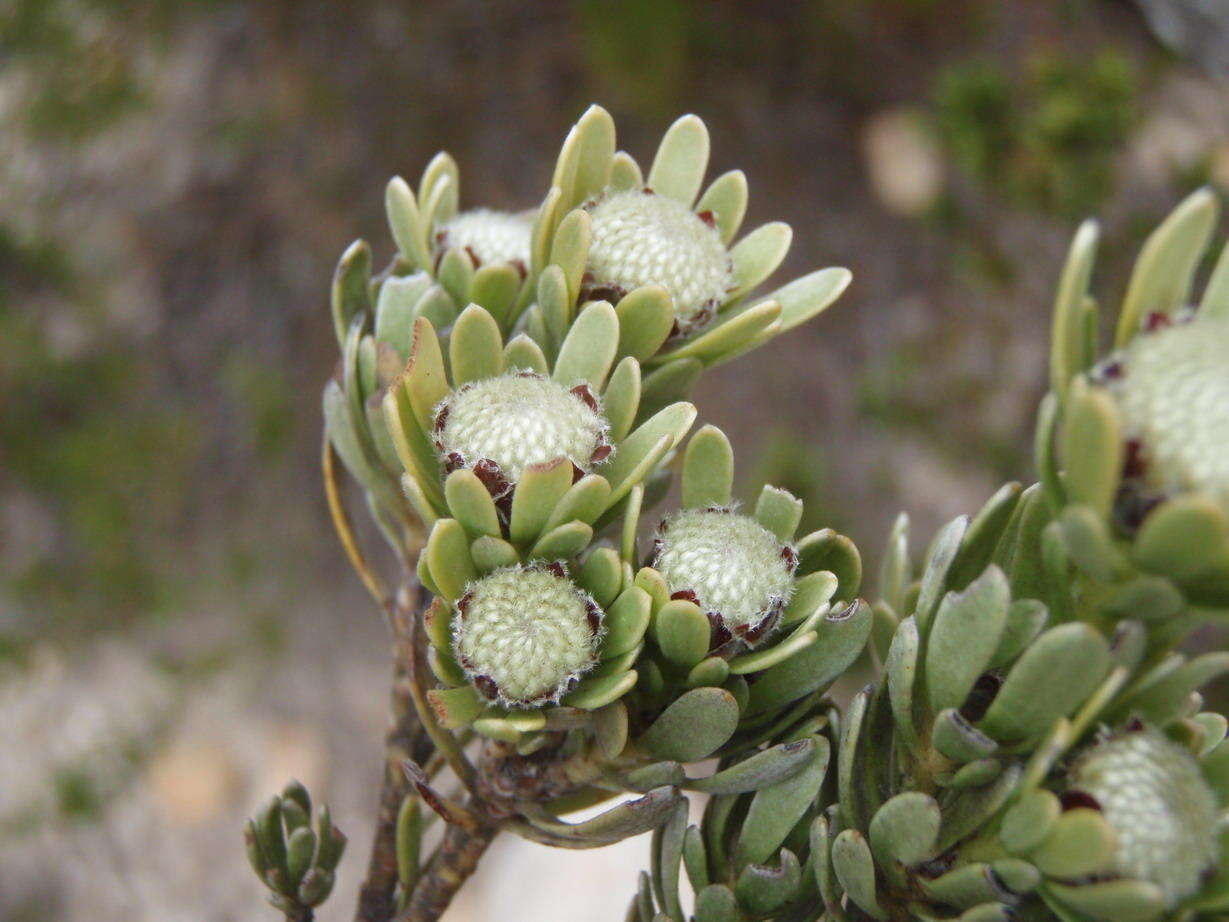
column 1044, row 138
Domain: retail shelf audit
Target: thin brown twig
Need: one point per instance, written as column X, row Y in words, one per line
column 406, row 739
column 345, row 532
column 454, row 861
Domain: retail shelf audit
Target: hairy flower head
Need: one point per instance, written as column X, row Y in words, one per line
column 525, row 635
column 1172, row 390
column 641, row 238
column 519, row 419
column 1153, row 794
column 736, row 569
column 489, row 236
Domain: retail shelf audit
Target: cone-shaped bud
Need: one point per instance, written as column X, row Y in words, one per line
column 1164, row 814
column 499, row 426
column 488, row 236
column 641, row 238
column 731, row 566
column 1172, row 389
column 525, row 635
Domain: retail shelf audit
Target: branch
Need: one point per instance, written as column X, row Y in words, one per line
column 454, row 862
column 406, row 740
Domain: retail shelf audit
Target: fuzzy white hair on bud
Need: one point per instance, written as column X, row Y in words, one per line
column 1164, row 814
column 490, row 236
column 519, row 419
column 641, row 238
column 1172, row 389
column 738, row 571
column 525, row 635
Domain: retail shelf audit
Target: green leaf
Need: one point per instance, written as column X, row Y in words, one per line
column 827, row 550
column 570, row 249
column 681, row 160
column 601, row 575
column 555, row 305
column 905, row 829
column 939, row 559
column 540, row 489
column 456, row 274
column 779, row 511
column 841, row 637
column 775, row 810
column 1081, row 843
column 495, row 288
column 621, row 399
column 627, row 618
column 757, row 255
column 1092, row 446
column 621, row 822
column 396, row 308
column 585, row 161
column 901, row 670
column 1069, row 348
column 1161, row 279
column 625, row 172
column 646, row 317
column 1183, row 538
column 963, row 637
column 470, row 503
column 727, row 336
column 491, row 553
column 761, row 889
column 1113, row 900
column 447, row 552
column 855, row 869
column 405, row 222
column 667, row 855
column 761, row 770
column 1215, row 303
column 588, row 350
column 693, row 726
column 598, row 692
column 1030, row 700
column 810, row 295
column 523, row 353
column 682, row 632
column 627, row 467
column 726, row 198
column 455, row 707
column 562, row 542
column 708, row 469
column 1029, row 821
column 475, row 347
column 583, row 502
column 351, row 291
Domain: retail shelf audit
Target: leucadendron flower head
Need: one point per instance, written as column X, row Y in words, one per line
column 663, row 252
column 735, row 595
column 1133, row 445
column 526, row 635
column 1135, row 831
column 497, row 430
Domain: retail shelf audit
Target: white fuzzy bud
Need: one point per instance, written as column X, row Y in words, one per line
column 640, row 238
column 1164, row 814
column 519, row 419
column 525, row 635
column 1172, row 389
column 736, row 569
column 490, row 236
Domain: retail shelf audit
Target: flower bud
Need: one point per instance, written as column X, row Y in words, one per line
column 731, row 566
column 1153, row 794
column 1171, row 385
column 525, row 635
column 641, row 238
column 488, row 236
column 502, row 425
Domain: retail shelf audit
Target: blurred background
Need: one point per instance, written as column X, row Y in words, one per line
column 179, row 633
